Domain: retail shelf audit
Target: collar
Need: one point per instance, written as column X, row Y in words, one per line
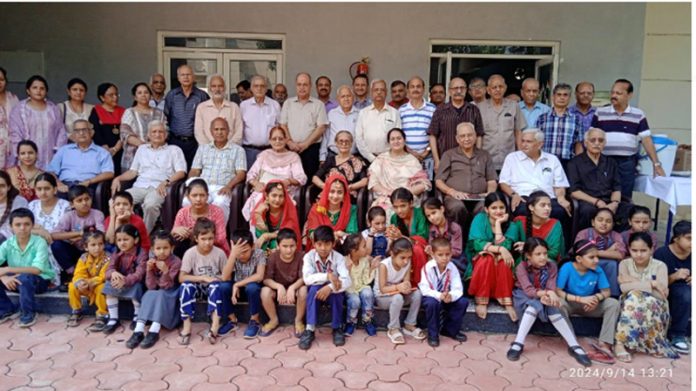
column 180, row 91
column 92, row 147
column 435, row 229
column 210, row 103
column 353, row 110
column 523, row 156
column 163, row 146
column 329, row 259
column 226, row 146
column 385, row 108
column 537, row 105
column 309, row 100
column 15, row 244
column 409, row 105
column 449, row 105
column 627, row 111
column 574, row 108
column 459, row 151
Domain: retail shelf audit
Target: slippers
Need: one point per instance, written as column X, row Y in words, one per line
column 299, row 329
column 184, row 339
column 600, row 349
column 396, row 337
column 600, row 355
column 416, row 333
column 212, row 337
column 266, row 330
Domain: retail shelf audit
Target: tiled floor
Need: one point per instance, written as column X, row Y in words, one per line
column 50, row 356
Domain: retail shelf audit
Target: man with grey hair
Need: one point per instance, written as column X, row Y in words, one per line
column 158, row 84
column 259, row 115
column 343, row 117
column 562, row 129
column 280, row 93
column 156, row 165
column 374, row 123
column 217, row 107
column 530, row 107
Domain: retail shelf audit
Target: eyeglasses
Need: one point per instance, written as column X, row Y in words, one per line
column 157, row 82
column 81, row 130
column 596, row 140
column 477, row 86
column 343, row 141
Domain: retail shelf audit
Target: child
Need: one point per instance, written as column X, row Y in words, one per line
column 283, row 280
column 249, row 268
column 276, row 210
column 610, row 246
column 362, row 273
column 535, row 296
column 159, row 303
column 125, row 275
column 584, row 289
column 442, row 290
column 409, row 221
column 677, row 257
column 538, row 223
column 639, row 219
column 375, row 235
column 393, row 289
column 202, row 276
column 325, row 274
column 27, row 272
column 441, row 227
column 88, row 281
column 120, row 213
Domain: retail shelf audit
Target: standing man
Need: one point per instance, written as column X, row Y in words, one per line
column 259, row 116
column 157, row 84
column 323, row 85
column 360, row 83
column 374, row 123
column 217, row 106
column 243, row 90
column 180, row 108
column 531, row 108
column 562, row 129
column 416, row 116
column 477, row 90
column 584, row 94
column 437, row 94
column 280, row 93
column 343, row 117
column 626, row 127
column 398, row 94
column 304, row 120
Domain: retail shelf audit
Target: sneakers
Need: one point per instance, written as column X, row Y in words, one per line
column 149, row 340
column 338, row 338
column 681, row 345
column 135, row 340
column 7, row 316
column 27, row 320
column 370, row 328
column 226, row 328
column 306, row 340
column 434, row 341
column 350, row 329
column 252, row 330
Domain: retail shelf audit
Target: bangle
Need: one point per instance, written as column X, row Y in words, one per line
column 596, row 201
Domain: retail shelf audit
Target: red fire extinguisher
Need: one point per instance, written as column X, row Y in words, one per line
column 361, row 67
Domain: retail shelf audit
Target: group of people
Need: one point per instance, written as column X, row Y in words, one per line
column 517, row 184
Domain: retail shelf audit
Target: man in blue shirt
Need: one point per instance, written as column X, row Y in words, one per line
column 529, row 106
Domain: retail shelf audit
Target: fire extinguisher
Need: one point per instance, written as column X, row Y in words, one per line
column 361, row 67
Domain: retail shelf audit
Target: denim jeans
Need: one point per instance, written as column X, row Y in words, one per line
column 31, row 284
column 365, row 299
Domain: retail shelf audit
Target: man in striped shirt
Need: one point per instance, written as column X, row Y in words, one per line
column 416, row 115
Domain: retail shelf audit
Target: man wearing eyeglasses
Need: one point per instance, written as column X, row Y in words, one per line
column 562, row 129
column 157, row 84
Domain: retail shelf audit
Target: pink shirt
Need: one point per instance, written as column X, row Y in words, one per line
column 215, row 214
column 206, row 112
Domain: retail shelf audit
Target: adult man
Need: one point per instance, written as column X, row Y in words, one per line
column 437, row 94
column 217, row 106
column 343, row 117
column 465, row 173
column 323, row 84
column 360, row 83
column 243, row 90
column 594, row 179
column 259, row 116
column 221, row 164
column 584, row 93
column 304, row 120
column 562, row 129
column 398, row 94
column 374, row 122
column 157, row 165
column 443, row 127
column 81, row 163
column 280, row 93
column 477, row 90
column 416, row 116
column 626, row 127
column 180, row 108
column 530, row 107
column 157, row 84
column 502, row 121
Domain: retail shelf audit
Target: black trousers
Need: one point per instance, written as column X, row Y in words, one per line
column 310, row 160
column 188, row 145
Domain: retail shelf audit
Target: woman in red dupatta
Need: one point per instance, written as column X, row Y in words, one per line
column 333, row 209
column 276, row 210
column 106, row 121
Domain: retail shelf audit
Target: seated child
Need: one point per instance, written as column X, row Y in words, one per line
column 409, row 221
column 442, row 290
column 440, row 227
column 393, row 289
column 249, row 268
column 124, row 276
column 639, row 220
column 27, row 272
column 120, row 213
column 159, row 303
column 276, row 210
column 535, row 297
column 283, row 281
column 325, row 274
column 362, row 273
column 376, row 234
column 88, row 281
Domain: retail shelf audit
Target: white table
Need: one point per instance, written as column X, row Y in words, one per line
column 673, row 190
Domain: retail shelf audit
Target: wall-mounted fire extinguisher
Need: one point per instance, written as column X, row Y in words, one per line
column 361, row 67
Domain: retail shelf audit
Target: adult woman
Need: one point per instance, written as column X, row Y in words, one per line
column 394, row 169
column 106, row 121
column 39, row 120
column 75, row 107
column 275, row 163
column 25, row 172
column 9, row 201
column 333, row 209
column 352, row 167
column 134, row 123
column 8, row 101
column 275, row 211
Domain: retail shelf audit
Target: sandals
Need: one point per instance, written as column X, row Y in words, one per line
column 600, row 355
column 267, row 330
column 74, row 319
column 98, row 325
column 624, row 356
column 415, row 333
column 396, row 337
column 212, row 337
column 299, row 329
column 184, row 339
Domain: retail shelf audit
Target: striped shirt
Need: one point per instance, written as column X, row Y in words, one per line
column 445, row 120
column 181, row 110
column 415, row 123
column 624, row 131
column 560, row 133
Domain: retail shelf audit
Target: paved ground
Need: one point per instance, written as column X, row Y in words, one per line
column 50, row 356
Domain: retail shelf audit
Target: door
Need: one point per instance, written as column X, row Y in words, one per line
column 242, row 66
column 204, row 65
column 543, row 71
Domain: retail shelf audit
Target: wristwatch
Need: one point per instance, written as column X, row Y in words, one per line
column 657, row 164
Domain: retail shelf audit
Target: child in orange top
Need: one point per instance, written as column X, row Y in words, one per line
column 88, row 281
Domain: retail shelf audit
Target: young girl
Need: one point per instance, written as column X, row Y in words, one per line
column 375, row 236
column 9, row 201
column 276, row 210
column 88, row 281
column 537, row 223
column 644, row 315
column 333, row 209
column 410, row 222
column 25, row 172
column 120, row 213
column 159, row 303
column 441, row 227
column 639, row 219
column 490, row 269
column 125, row 275
column 393, row 289
column 535, row 296
column 362, row 273
column 610, row 246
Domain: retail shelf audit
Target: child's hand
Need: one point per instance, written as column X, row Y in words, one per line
column 290, row 296
column 502, row 218
column 553, row 299
column 323, row 293
column 507, row 257
column 162, row 266
column 374, row 264
column 124, row 217
column 261, row 240
column 282, row 295
column 235, row 293
column 82, row 286
column 180, row 233
column 448, row 298
column 151, row 264
column 236, row 248
column 518, row 246
column 442, row 297
column 11, row 282
column 429, row 250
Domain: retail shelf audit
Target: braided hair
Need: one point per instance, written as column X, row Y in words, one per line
column 532, row 200
column 401, row 194
column 12, row 193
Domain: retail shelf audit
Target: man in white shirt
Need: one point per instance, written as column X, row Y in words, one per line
column 259, row 115
column 374, row 123
column 343, row 117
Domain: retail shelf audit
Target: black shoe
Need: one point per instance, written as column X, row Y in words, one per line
column 134, row 340
column 111, row 328
column 339, row 338
column 306, row 340
column 434, row 342
column 581, row 358
column 150, row 340
column 514, row 354
column 134, row 322
column 460, row 337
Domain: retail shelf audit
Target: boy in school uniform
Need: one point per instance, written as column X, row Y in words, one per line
column 326, row 276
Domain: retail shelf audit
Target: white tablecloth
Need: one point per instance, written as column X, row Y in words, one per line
column 673, row 190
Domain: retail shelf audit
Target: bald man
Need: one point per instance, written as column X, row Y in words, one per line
column 530, row 106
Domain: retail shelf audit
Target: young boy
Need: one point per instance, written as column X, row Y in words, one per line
column 442, row 289
column 120, row 213
column 88, row 281
column 249, row 266
column 202, row 276
column 27, row 272
column 326, row 276
column 283, row 280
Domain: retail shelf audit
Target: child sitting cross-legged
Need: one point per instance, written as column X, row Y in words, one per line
column 88, row 281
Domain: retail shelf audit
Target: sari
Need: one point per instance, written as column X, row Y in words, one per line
column 345, row 220
column 287, row 218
